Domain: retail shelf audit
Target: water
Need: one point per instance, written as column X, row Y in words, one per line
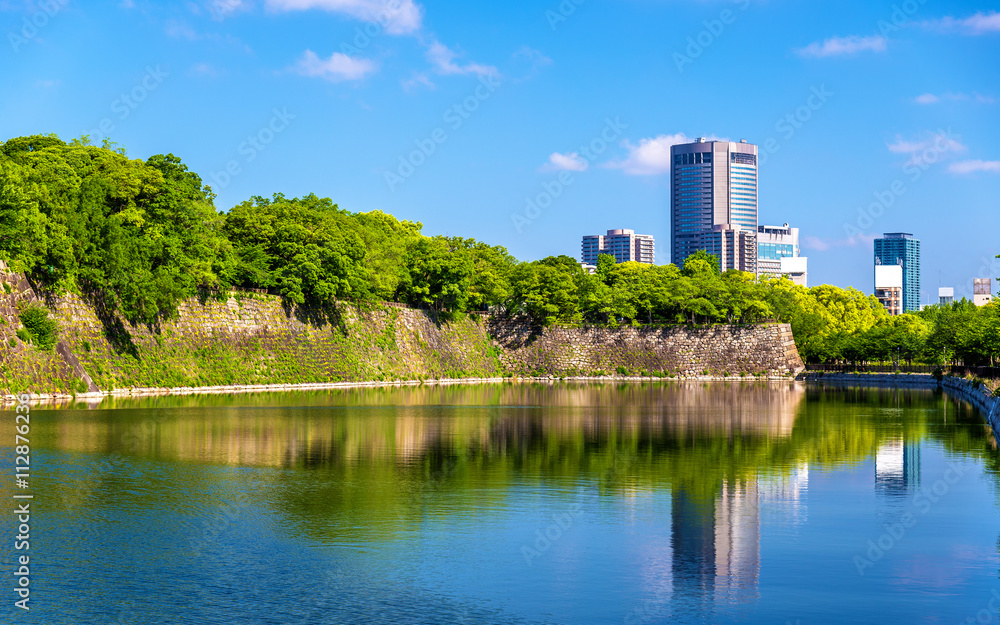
column 569, row 504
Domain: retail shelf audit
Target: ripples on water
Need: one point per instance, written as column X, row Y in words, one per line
column 559, row 503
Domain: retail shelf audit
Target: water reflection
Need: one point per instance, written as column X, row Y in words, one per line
column 897, row 468
column 375, row 425
column 424, row 496
column 716, row 546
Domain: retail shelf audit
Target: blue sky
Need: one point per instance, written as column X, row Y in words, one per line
column 456, row 114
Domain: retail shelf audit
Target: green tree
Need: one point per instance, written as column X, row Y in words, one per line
column 307, row 249
column 703, row 256
column 439, row 277
column 548, row 291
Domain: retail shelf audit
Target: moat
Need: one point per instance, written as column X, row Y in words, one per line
column 565, row 503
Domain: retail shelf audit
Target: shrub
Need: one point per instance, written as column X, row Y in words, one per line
column 622, row 371
column 23, row 335
column 12, row 342
column 40, row 328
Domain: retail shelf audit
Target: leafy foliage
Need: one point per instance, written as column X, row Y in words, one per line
column 141, row 236
column 39, row 328
column 305, row 249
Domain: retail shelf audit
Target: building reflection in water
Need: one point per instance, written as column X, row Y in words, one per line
column 897, row 468
column 716, row 547
column 714, row 553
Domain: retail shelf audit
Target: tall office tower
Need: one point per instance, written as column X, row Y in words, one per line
column 713, row 204
column 778, row 254
column 982, row 291
column 624, row 245
column 900, row 248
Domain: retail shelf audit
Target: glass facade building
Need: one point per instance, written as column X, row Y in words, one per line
column 778, row 254
column 900, row 248
column 713, row 202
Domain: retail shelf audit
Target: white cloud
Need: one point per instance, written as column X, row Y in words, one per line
column 532, row 59
column 221, row 9
column 418, row 79
column 651, row 157
column 203, row 70
column 841, row 46
column 978, row 24
column 338, row 68
column 443, row 60
column 181, row 30
column 930, row 98
column 974, row 166
column 929, row 149
column 398, row 17
column 571, row 161
column 822, row 245
column 815, row 243
column 939, row 141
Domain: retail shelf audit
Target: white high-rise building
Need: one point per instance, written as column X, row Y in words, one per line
column 624, row 245
column 946, row 295
column 889, row 287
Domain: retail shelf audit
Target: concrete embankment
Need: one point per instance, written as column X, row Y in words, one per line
column 978, row 396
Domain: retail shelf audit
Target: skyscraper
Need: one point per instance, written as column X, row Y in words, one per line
column 900, row 248
column 624, row 245
column 713, row 204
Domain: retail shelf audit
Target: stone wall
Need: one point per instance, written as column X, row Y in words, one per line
column 253, row 339
column 22, row 367
column 681, row 351
column 243, row 338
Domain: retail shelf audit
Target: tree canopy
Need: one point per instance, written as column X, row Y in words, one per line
column 140, row 236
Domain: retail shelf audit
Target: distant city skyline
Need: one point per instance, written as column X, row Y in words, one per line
column 505, row 125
